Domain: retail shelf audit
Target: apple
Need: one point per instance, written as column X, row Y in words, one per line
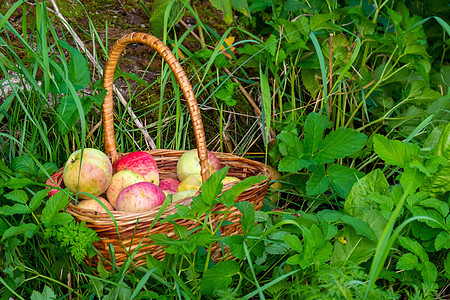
column 119, row 181
column 189, row 163
column 230, row 179
column 183, row 194
column 94, row 205
column 169, row 185
column 142, row 163
column 88, row 172
column 193, row 181
column 139, row 197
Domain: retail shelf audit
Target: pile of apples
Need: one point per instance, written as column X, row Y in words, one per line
column 133, row 183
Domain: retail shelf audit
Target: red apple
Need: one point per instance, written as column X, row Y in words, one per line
column 142, row 163
column 169, row 185
column 94, row 205
column 138, row 197
column 119, row 181
column 189, row 163
column 90, row 173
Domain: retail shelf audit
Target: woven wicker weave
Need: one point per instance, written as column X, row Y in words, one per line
column 133, row 227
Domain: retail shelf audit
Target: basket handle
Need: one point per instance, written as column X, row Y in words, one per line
column 108, row 80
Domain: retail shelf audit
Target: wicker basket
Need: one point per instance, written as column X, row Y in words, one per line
column 133, row 227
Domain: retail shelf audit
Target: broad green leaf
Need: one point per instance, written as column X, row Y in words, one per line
column 19, row 183
column 14, row 210
column 438, row 205
column 225, row 92
column 36, row 200
column 236, row 244
column 310, row 79
column 248, row 215
column 219, row 277
column 53, row 206
column 47, row 294
column 79, row 73
column 375, row 220
column 360, row 227
column 394, row 152
column 61, row 218
column 447, row 266
column 429, row 273
column 315, row 126
column 159, row 13
column 318, row 182
column 292, row 164
column 229, row 196
column 356, row 248
column 407, row 261
column 67, row 112
column 411, row 178
column 3, row 226
column 293, row 242
column 339, row 144
column 357, row 201
column 26, row 229
column 212, row 187
column 329, row 230
column 290, row 144
column 241, row 6
column 442, row 241
column 277, row 245
column 50, row 168
column 342, row 178
column 225, row 7
column 413, row 246
column 23, row 166
column 17, row 196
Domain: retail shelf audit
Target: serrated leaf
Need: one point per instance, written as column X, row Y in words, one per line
column 47, row 294
column 236, row 244
column 394, row 152
column 447, row 266
column 50, row 168
column 315, row 126
column 360, row 227
column 219, row 277
column 318, row 182
column 438, row 205
column 407, row 262
column 342, row 178
column 23, row 166
column 14, row 210
column 442, row 241
column 212, row 187
column 79, row 74
column 293, row 242
column 26, row 229
column 225, row 7
column 248, row 215
column 411, row 178
column 429, row 273
column 17, row 196
column 414, row 247
column 292, row 164
column 225, row 92
column 53, row 206
column 37, row 198
column 229, row 196
column 18, row 182
column 339, row 144
column 68, row 114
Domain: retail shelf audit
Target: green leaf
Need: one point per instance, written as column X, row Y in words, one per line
column 442, row 241
column 225, row 7
column 360, row 227
column 225, row 92
column 79, row 73
column 53, row 206
column 357, row 201
column 408, row 262
column 248, row 215
column 47, row 294
column 339, row 144
column 241, row 6
column 68, row 114
column 50, row 168
column 342, row 178
column 14, row 210
column 219, row 277
column 318, row 182
column 413, row 178
column 229, row 196
column 36, row 200
column 293, row 242
column 19, row 183
column 357, row 248
column 413, row 246
column 23, row 166
column 236, row 244
column 394, row 152
column 315, row 126
column 212, row 187
column 292, row 164
column 17, row 196
column 438, row 205
column 429, row 273
column 26, row 229
column 447, row 266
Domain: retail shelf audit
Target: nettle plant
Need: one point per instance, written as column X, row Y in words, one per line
column 318, row 154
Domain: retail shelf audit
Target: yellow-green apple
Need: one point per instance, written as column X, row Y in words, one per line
column 169, row 185
column 189, row 163
column 193, row 181
column 121, row 180
column 139, row 197
column 142, row 163
column 89, row 171
column 230, row 179
column 94, row 205
column 183, row 194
